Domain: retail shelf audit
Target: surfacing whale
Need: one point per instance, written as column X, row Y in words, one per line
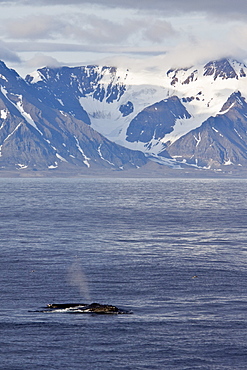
column 85, row 308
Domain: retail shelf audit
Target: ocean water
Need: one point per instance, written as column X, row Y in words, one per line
column 172, row 251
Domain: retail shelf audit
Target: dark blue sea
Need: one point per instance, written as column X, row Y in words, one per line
column 173, row 251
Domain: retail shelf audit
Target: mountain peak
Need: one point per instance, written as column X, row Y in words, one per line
column 236, row 100
column 220, row 69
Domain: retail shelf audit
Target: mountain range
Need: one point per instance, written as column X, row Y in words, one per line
column 96, row 119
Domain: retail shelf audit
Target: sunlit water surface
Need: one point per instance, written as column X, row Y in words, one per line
column 172, row 251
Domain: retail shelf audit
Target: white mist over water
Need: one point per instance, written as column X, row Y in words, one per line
column 78, row 279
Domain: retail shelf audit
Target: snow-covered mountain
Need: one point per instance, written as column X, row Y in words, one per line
column 98, row 117
column 167, row 114
column 38, row 136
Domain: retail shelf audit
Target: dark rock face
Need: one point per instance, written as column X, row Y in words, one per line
column 192, row 77
column 87, row 308
column 220, row 140
column 126, row 109
column 61, row 88
column 173, row 75
column 220, row 68
column 156, row 121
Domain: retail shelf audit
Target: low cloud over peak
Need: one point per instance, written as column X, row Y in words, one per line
column 8, row 55
column 80, row 30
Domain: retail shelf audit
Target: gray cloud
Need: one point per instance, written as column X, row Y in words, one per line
column 87, row 29
column 49, row 47
column 157, row 30
column 32, row 28
column 99, row 30
column 216, row 7
column 143, row 27
column 7, row 54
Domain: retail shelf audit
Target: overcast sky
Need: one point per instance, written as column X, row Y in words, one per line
column 76, row 32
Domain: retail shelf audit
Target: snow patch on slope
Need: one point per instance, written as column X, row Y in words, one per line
column 86, row 159
column 36, row 77
column 3, row 113
column 26, row 115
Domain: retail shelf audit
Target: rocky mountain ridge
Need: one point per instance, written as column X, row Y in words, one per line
column 110, row 118
column 38, row 136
